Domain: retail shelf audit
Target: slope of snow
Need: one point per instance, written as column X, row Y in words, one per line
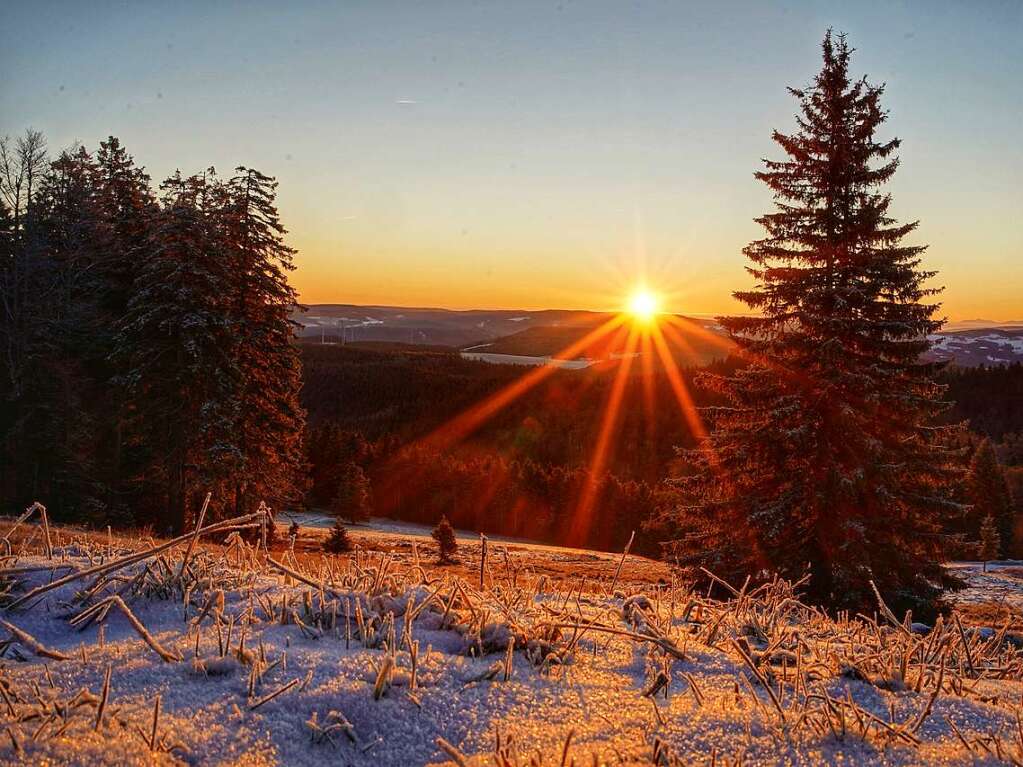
column 590, row 685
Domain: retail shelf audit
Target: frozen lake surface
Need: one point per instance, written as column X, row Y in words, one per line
column 522, row 359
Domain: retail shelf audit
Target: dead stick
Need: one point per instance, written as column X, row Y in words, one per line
column 483, row 557
column 301, row 578
column 142, row 631
column 103, row 698
column 32, row 643
column 46, row 528
column 195, row 536
column 621, row 564
column 274, row 694
column 130, row 559
column 156, row 723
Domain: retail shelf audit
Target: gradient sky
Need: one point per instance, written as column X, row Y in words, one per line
column 533, row 155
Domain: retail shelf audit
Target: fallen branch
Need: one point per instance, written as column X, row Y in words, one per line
column 117, row 564
column 29, row 641
column 116, row 601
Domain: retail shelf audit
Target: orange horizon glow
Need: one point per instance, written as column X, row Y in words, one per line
column 650, row 337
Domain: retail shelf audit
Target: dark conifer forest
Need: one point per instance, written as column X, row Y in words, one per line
column 148, row 354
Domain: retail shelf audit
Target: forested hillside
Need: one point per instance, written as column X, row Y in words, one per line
column 147, row 346
column 521, row 472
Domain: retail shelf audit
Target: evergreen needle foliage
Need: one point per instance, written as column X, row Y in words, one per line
column 989, row 493
column 148, row 346
column 826, row 455
column 990, row 540
column 352, row 500
column 338, row 542
column 447, row 546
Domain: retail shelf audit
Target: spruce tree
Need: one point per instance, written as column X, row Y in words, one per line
column 352, row 499
column 990, row 540
column 58, row 421
column 825, row 455
column 338, row 541
column 126, row 208
column 178, row 381
column 988, row 491
column 447, row 544
column 268, row 419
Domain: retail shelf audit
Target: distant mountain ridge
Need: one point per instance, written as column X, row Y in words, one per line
column 957, row 325
column 983, row 346
column 541, row 333
column 343, row 323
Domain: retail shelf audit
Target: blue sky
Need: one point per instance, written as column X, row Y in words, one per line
column 535, row 154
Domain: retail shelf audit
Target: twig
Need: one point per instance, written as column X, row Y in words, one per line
column 195, row 536
column 31, row 643
column 117, row 564
column 621, row 563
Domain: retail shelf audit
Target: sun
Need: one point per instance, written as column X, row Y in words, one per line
column 643, row 305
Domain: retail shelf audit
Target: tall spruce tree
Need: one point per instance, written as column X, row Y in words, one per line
column 826, row 456
column 268, row 419
column 174, row 345
column 352, row 500
column 988, row 492
column 58, row 420
column 126, row 208
column 990, row 540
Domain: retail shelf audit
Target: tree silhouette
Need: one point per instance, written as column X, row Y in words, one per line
column 447, row 545
column 989, row 493
column 338, row 541
column 990, row 540
column 352, row 500
column 824, row 454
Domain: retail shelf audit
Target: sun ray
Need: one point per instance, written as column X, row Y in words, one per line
column 677, row 338
column 646, row 360
column 582, row 518
column 678, row 386
column 687, row 325
column 463, row 424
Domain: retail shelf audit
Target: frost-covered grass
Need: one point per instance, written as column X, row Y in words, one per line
column 239, row 656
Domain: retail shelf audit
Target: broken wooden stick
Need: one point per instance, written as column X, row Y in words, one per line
column 195, row 536
column 30, row 642
column 117, row 564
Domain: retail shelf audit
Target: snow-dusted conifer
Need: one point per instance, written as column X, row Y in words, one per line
column 990, row 540
column 447, row 543
column 352, row 499
column 174, row 345
column 268, row 419
column 989, row 494
column 825, row 455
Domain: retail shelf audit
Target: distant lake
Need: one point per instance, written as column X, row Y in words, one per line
column 521, row 359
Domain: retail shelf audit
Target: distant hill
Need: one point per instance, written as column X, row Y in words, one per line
column 988, row 346
column 548, row 340
column 436, row 327
column 967, row 343
column 513, row 332
column 951, row 327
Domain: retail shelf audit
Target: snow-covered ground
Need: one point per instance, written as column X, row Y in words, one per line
column 1002, row 584
column 669, row 674
column 396, row 531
